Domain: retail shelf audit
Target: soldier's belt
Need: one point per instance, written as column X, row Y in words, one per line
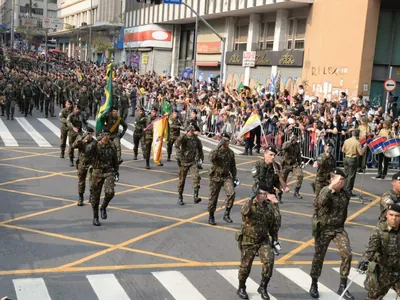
column 102, row 171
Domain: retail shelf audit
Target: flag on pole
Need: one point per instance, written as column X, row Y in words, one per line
column 159, row 126
column 252, row 122
column 108, row 103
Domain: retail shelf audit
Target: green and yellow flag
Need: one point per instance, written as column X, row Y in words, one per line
column 108, row 101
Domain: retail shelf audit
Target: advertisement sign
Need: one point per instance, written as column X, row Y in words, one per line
column 148, row 36
column 249, row 58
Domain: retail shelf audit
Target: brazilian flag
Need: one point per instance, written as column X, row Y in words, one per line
column 166, row 106
column 108, row 103
column 240, row 87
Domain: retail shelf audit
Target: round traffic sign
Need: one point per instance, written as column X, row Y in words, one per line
column 390, row 85
column 46, row 21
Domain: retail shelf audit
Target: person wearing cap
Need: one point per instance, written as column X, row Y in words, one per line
column 292, row 163
column 390, row 197
column 105, row 170
column 85, row 101
column 64, row 113
column 189, row 151
column 381, row 259
column 223, row 174
column 352, row 150
column 139, row 122
column 331, row 208
column 49, row 96
column 383, row 160
column 175, row 126
column 76, row 123
column 147, row 137
column 258, row 232
column 27, row 98
column 325, row 163
column 86, row 145
column 10, row 101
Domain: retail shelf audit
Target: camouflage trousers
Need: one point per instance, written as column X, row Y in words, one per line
column 72, row 137
column 297, row 172
column 63, row 137
column 136, row 141
column 82, row 174
column 146, row 147
column 377, row 289
column 247, row 256
column 98, row 180
column 215, row 188
column 322, row 241
column 194, row 172
column 277, row 214
column 123, row 112
column 117, row 142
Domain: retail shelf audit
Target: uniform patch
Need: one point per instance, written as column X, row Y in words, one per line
column 254, row 171
column 388, row 201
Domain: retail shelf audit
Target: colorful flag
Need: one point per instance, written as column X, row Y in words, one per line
column 108, row 103
column 166, row 106
column 252, row 122
column 159, row 126
column 240, row 87
column 79, row 76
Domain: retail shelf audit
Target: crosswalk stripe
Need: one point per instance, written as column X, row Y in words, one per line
column 178, row 285
column 107, row 287
column 36, row 136
column 251, row 287
column 124, row 142
column 31, row 288
column 53, row 128
column 303, row 280
column 6, row 135
column 360, row 278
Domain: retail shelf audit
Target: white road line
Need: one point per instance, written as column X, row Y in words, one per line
column 31, row 288
column 36, row 136
column 359, row 280
column 303, row 280
column 6, row 136
column 53, row 128
column 236, row 151
column 251, row 287
column 124, row 142
column 107, row 287
column 178, row 285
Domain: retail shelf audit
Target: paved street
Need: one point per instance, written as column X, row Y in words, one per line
column 149, row 247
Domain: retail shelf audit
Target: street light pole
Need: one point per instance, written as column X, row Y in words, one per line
column 89, row 46
column 195, row 53
column 12, row 25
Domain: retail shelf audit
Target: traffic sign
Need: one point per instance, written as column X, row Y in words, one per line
column 390, row 85
column 172, row 1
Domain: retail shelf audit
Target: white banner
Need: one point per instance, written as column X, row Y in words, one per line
column 148, row 36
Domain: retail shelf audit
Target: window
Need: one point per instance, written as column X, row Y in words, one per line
column 267, row 32
column 240, row 41
column 52, row 13
column 187, row 41
column 52, row 1
column 296, row 34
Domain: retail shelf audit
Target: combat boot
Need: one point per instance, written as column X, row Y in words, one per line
column 314, row 288
column 71, row 161
column 297, row 194
column 211, row 219
column 227, row 215
column 241, row 292
column 96, row 217
column 80, row 200
column 342, row 287
column 262, row 290
column 62, row 153
column 196, row 198
column 103, row 212
column 280, row 198
column 148, row 163
column 180, row 199
column 169, row 157
column 250, row 152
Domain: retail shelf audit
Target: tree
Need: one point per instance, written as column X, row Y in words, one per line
column 102, row 42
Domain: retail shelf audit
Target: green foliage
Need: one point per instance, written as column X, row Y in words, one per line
column 101, row 42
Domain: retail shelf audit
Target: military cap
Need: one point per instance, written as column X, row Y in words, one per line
column 262, row 185
column 226, row 135
column 272, row 149
column 89, row 129
column 394, row 207
column 106, row 130
column 329, row 143
column 338, row 171
column 113, row 108
column 396, row 176
column 190, row 128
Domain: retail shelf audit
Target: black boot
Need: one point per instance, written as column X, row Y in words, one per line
column 62, row 153
column 297, row 194
column 196, row 198
column 227, row 215
column 80, row 200
column 180, row 199
column 244, row 152
column 148, row 163
column 262, row 290
column 251, row 153
column 71, row 161
column 314, row 288
column 169, row 157
column 103, row 212
column 135, row 157
column 241, row 292
column 211, row 219
column 342, row 287
column 96, row 217
column 280, row 198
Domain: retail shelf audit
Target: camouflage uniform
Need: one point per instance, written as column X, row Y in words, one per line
column 223, row 172
column 84, row 102
column 175, row 132
column 105, row 166
column 27, row 96
column 74, row 121
column 124, row 106
column 387, row 199
column 331, row 210
column 96, row 99
column 326, row 163
column 147, row 139
column 140, row 124
column 10, row 101
column 291, row 163
column 115, row 135
column 49, row 95
column 383, row 251
column 64, row 113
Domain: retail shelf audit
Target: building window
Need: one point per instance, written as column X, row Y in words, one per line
column 240, row 41
column 296, row 35
column 52, row 13
column 187, row 41
column 52, row 1
column 267, row 32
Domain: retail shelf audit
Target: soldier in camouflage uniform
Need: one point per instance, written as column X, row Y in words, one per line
column 381, row 259
column 64, row 113
column 326, row 162
column 140, row 124
column 3, row 86
column 147, row 137
column 86, row 145
column 27, row 96
column 223, row 174
column 49, row 96
column 97, row 93
column 390, row 197
column 292, row 163
column 83, row 101
column 105, row 169
column 76, row 122
column 10, row 100
column 257, row 234
column 174, row 132
column 112, row 122
column 331, row 212
column 124, row 105
column 189, row 151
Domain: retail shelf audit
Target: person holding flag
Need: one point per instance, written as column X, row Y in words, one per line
column 147, row 137
column 252, row 121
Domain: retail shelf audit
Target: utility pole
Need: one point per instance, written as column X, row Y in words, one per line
column 195, row 53
column 12, row 25
column 89, row 46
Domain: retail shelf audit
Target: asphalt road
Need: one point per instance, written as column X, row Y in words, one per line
column 149, row 247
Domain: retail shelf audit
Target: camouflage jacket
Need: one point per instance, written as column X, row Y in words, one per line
column 106, row 159
column 49, row 92
column 27, row 91
column 292, row 154
column 326, row 164
column 262, row 172
column 189, row 149
column 10, row 95
column 223, row 164
column 97, row 95
column 124, row 102
column 83, row 99
column 64, row 113
column 258, row 222
column 332, row 208
column 175, row 128
column 87, row 150
column 109, row 122
column 387, row 198
column 76, row 121
column 140, row 125
column 148, row 135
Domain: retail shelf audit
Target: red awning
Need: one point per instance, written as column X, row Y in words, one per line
column 207, row 63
